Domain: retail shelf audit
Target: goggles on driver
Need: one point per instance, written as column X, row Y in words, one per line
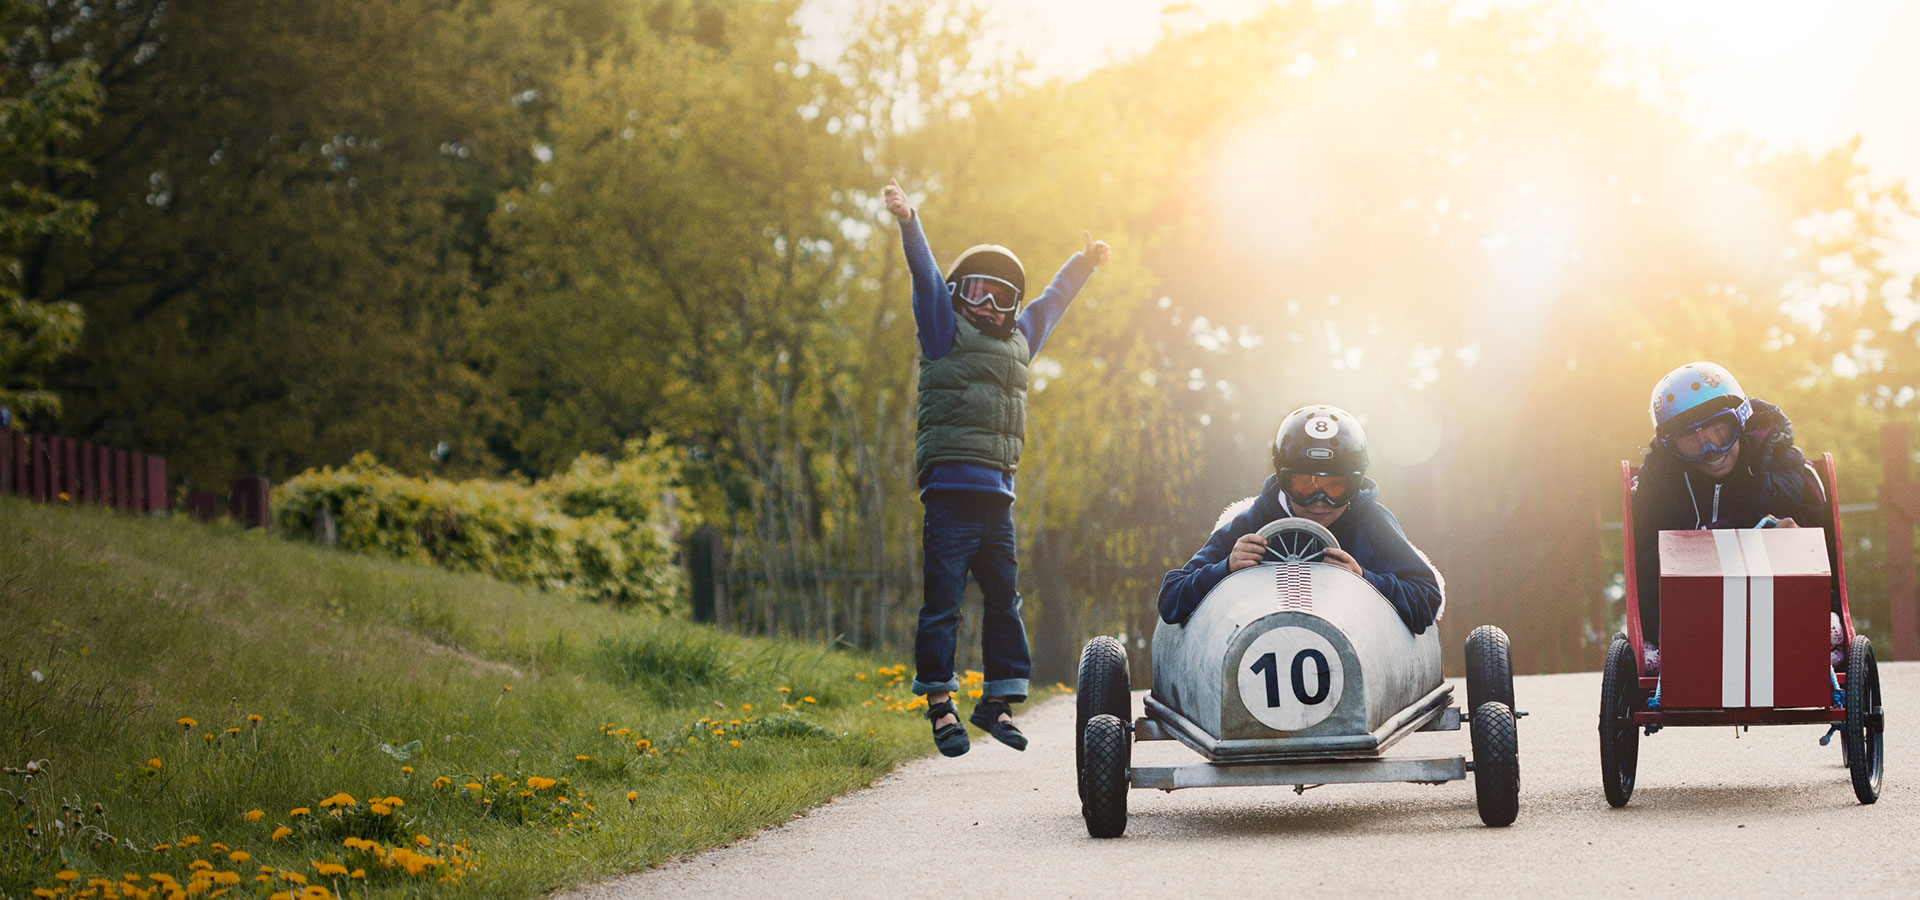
column 1712, row 437
column 1304, row 488
column 976, row 290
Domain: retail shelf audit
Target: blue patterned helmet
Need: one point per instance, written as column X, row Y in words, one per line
column 1692, row 394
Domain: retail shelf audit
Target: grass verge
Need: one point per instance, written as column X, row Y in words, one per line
column 184, row 704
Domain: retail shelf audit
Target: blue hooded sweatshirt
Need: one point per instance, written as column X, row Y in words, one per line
column 1395, row 568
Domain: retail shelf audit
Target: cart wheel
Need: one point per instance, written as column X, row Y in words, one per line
column 1862, row 732
column 1489, row 667
column 1619, row 739
column 1496, row 763
column 1109, row 755
column 1103, row 691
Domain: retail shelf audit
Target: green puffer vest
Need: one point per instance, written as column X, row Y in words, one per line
column 973, row 402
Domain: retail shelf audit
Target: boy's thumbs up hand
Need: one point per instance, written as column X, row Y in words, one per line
column 896, row 200
column 1096, row 252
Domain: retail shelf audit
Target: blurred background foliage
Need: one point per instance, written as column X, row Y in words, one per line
column 530, row 229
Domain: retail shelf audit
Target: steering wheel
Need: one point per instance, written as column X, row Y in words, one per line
column 1296, row 539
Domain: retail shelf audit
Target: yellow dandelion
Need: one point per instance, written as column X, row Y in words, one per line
column 808, row 700
column 198, row 865
column 787, row 706
column 209, row 738
column 540, row 784
column 406, row 770
column 623, row 732
column 379, row 809
column 785, row 690
column 473, row 785
column 190, row 840
column 506, row 687
column 239, row 856
column 394, row 802
column 226, row 878
column 632, row 796
column 162, row 848
column 862, row 676
column 294, row 877
column 234, row 730
column 341, row 799
column 44, row 892
column 746, row 707
column 643, row 745
column 154, row 762
column 280, row 895
column 734, row 743
column 423, row 840
column 67, row 875
column 254, row 718
column 281, row 832
column 357, row 873
column 328, row 868
column 252, row 815
column 299, row 811
column 719, row 731
column 581, row 758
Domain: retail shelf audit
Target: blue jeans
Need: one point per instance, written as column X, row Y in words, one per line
column 970, row 531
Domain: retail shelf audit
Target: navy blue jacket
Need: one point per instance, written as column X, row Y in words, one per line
column 1395, row 568
column 1769, row 479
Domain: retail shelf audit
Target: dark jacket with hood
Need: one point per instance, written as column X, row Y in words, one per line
column 1395, row 568
column 1769, row 478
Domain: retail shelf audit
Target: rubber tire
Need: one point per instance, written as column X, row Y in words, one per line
column 1496, row 763
column 1103, row 691
column 1864, row 743
column 1619, row 737
column 1489, row 667
column 1109, row 757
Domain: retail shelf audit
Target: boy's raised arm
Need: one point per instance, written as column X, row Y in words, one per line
column 932, row 307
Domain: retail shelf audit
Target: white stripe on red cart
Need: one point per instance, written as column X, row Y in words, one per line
column 1760, row 607
column 1733, row 619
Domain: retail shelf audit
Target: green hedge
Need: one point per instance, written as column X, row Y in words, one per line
column 602, row 530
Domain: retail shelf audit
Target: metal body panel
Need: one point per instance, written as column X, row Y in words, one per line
column 1387, row 675
column 1431, row 770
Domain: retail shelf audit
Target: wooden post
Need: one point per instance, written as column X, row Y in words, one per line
column 1900, row 509
column 159, row 499
column 42, row 484
column 120, row 488
column 7, row 453
column 707, row 575
column 136, row 483
column 326, row 529
column 103, row 476
column 68, row 468
column 247, row 501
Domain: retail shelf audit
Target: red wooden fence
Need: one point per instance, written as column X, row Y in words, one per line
column 52, row 469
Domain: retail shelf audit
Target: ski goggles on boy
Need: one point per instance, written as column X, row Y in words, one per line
column 1304, row 488
column 1712, row 437
column 977, row 290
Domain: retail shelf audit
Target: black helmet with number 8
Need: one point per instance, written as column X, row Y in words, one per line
column 1320, row 453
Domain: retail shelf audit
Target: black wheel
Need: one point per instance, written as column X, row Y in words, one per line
column 1861, row 735
column 1103, row 691
column 1489, row 667
column 1619, row 738
column 1109, row 755
column 1496, row 763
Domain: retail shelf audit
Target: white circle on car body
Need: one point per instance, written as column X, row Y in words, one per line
column 1322, row 428
column 1290, row 678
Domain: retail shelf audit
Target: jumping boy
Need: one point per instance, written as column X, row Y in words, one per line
column 976, row 344
column 1319, row 473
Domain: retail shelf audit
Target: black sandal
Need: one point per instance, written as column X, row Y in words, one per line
column 986, row 717
column 951, row 739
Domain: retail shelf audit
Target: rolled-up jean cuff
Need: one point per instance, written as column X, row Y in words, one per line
column 1012, row 690
column 944, row 687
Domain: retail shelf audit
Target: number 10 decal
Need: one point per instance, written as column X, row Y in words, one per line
column 1290, row 678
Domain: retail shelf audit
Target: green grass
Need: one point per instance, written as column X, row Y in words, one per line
column 117, row 628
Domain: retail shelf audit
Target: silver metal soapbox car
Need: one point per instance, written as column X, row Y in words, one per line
column 1293, row 672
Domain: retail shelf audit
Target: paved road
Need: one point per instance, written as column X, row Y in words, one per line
column 1769, row 812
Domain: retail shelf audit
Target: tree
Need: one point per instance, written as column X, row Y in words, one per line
column 43, row 105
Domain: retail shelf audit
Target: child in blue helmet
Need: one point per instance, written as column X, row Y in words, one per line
column 1718, row 459
column 1320, row 473
column 975, row 346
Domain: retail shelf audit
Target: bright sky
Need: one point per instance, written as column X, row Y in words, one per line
column 1796, row 73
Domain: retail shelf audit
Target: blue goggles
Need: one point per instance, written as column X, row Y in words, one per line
column 1712, row 437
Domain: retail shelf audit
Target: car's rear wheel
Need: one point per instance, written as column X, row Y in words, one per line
column 1489, row 667
column 1103, row 690
column 1109, row 755
column 1496, row 763
column 1862, row 734
column 1619, row 738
